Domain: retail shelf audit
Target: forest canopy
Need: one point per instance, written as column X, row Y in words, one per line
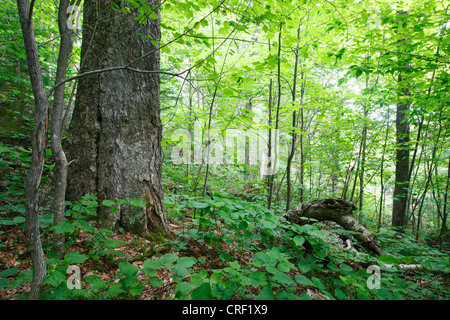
column 224, row 149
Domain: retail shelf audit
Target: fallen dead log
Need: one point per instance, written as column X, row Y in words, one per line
column 339, row 211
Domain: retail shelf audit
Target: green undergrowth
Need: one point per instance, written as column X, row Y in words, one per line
column 220, row 247
column 227, row 248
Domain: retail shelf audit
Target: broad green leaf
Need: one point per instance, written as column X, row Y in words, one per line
column 200, row 205
column 299, row 240
column 155, row 281
column 9, row 272
column 19, row 220
column 108, row 203
column 340, row 294
column 127, row 268
column 304, row 266
column 55, row 278
column 186, row 262
column 203, row 292
column 168, row 258
column 136, row 290
column 243, row 225
column 346, row 280
column 304, row 281
column 183, row 287
column 137, row 202
column 266, row 293
column 264, row 257
column 3, row 282
column 283, row 278
column 152, row 264
column 75, row 257
column 64, row 227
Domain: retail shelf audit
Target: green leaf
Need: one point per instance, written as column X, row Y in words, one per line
column 83, row 225
column 203, row 292
column 284, row 295
column 283, row 278
column 9, row 272
column 136, row 290
column 55, row 278
column 75, row 257
column 346, row 268
column 137, row 202
column 266, row 293
column 225, row 257
column 19, row 220
column 346, row 280
column 243, row 225
column 340, row 294
column 180, row 271
column 200, row 205
column 264, row 257
column 64, row 227
column 304, row 266
column 168, row 258
column 108, row 203
column 305, row 296
column 127, row 268
column 186, row 262
column 96, row 282
column 304, row 281
column 3, row 282
column 299, row 240
column 152, row 264
column 155, row 281
column 183, row 288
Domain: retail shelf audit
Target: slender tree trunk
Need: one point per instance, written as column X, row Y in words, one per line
column 38, row 152
column 248, row 174
column 430, row 173
column 274, row 160
column 444, row 228
column 401, row 164
column 400, row 196
column 269, row 147
column 60, row 182
column 363, row 159
column 209, row 139
column 302, row 129
column 293, row 134
column 115, row 134
column 382, row 173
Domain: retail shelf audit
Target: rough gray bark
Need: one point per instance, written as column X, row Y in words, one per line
column 38, row 145
column 339, row 211
column 115, row 133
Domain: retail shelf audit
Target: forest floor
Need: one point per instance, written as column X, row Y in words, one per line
column 14, row 254
column 330, row 268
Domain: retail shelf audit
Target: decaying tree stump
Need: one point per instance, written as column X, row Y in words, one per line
column 339, row 211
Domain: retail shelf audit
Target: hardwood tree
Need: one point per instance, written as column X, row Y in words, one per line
column 402, row 152
column 114, row 139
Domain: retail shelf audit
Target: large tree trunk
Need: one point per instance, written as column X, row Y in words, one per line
column 339, row 211
column 115, row 134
